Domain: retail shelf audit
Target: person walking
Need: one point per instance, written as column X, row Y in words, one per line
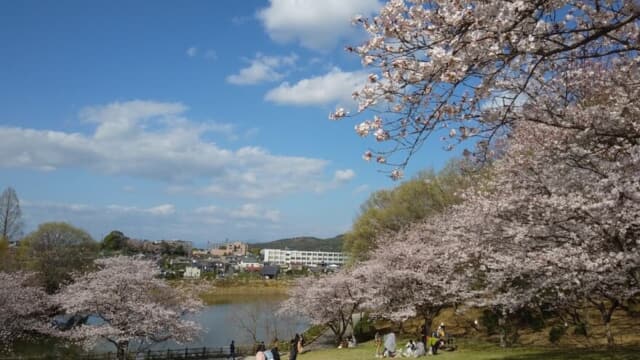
column 232, row 350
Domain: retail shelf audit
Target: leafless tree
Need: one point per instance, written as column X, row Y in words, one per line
column 10, row 215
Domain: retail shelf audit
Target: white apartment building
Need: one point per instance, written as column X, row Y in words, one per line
column 307, row 258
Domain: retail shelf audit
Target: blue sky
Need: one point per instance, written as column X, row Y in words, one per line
column 197, row 120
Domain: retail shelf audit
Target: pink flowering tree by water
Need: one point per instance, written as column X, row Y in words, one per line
column 419, row 271
column 462, row 69
column 23, row 308
column 129, row 305
column 330, row 300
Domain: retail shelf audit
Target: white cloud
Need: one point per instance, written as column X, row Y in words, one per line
column 207, row 210
column 361, row 189
column 153, row 140
column 192, row 51
column 160, row 210
column 255, row 212
column 335, row 86
column 263, row 69
column 165, row 209
column 317, row 25
column 342, row 176
column 264, row 175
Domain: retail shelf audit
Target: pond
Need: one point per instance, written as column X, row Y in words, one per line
column 238, row 318
column 242, row 318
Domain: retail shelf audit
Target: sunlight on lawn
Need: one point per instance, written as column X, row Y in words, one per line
column 482, row 352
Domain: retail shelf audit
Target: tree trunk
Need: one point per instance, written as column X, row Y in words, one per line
column 428, row 325
column 606, row 315
column 122, row 348
column 607, row 326
column 502, row 322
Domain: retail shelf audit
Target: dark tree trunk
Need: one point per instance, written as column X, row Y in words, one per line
column 606, row 315
column 122, row 347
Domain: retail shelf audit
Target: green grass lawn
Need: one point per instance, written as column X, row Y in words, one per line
column 482, row 352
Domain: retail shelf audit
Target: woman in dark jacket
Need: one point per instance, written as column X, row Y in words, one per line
column 293, row 347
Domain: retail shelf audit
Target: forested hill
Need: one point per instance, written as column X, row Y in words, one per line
column 305, row 243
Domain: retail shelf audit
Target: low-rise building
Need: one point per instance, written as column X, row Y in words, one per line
column 230, row 249
column 192, row 272
column 249, row 263
column 270, row 272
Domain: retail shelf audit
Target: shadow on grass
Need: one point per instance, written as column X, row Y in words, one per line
column 577, row 354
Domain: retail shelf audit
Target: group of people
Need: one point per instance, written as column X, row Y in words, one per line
column 427, row 345
column 273, row 353
column 295, row 347
column 385, row 346
column 349, row 342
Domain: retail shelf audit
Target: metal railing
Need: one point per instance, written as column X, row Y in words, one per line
column 203, row 353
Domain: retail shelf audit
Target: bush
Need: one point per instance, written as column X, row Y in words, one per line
column 489, row 320
column 556, row 333
column 364, row 330
column 580, row 329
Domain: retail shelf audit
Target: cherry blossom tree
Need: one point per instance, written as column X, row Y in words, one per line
column 563, row 207
column 23, row 308
column 329, row 300
column 131, row 306
column 419, row 271
column 462, row 69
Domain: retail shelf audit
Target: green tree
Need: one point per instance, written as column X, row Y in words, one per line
column 387, row 211
column 114, row 241
column 55, row 251
column 10, row 215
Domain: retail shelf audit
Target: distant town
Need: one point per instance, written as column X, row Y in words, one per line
column 180, row 259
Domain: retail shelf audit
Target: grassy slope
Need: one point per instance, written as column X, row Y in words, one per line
column 483, row 351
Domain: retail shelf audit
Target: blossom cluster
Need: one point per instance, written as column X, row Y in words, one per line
column 469, row 66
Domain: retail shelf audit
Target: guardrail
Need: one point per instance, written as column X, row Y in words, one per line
column 203, row 353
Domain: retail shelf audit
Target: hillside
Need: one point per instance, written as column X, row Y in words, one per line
column 305, row 243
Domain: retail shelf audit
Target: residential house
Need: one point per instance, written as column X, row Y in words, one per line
column 192, row 272
column 270, row 272
column 249, row 263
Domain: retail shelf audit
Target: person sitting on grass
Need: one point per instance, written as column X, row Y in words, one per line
column 409, row 349
column 389, row 345
column 419, row 351
column 352, row 341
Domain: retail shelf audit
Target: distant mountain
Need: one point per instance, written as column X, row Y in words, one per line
column 305, row 243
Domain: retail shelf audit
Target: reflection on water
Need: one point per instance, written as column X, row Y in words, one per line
column 238, row 318
column 245, row 322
